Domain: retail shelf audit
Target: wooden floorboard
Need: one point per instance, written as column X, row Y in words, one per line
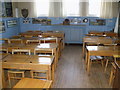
column 71, row 72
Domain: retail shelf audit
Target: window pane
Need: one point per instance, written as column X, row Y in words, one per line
column 71, row 7
column 42, row 7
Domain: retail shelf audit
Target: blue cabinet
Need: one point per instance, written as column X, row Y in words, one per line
column 74, row 34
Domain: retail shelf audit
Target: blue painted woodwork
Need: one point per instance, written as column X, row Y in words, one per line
column 73, row 34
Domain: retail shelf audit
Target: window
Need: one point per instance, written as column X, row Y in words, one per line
column 42, row 7
column 70, row 7
column 94, row 7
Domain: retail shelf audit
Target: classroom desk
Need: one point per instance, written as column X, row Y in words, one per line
column 33, row 83
column 96, row 40
column 31, row 33
column 47, row 34
column 32, row 47
column 41, row 40
column 100, row 51
column 29, row 62
column 105, row 34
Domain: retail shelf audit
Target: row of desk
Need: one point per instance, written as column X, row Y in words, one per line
column 100, row 46
column 31, row 62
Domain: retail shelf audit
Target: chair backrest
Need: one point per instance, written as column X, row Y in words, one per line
column 3, row 50
column 44, row 51
column 4, row 39
column 20, row 51
column 17, row 36
column 51, row 39
column 28, row 36
column 32, row 41
column 15, row 41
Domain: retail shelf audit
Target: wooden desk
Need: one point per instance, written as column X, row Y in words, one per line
column 26, row 62
column 96, row 40
column 99, row 51
column 33, row 83
column 47, row 34
column 56, row 34
column 41, row 40
column 32, row 47
column 105, row 33
column 44, row 46
column 31, row 33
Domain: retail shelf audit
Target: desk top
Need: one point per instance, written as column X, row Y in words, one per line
column 29, row 46
column 28, row 59
column 33, row 83
column 103, row 48
column 100, row 40
column 105, row 33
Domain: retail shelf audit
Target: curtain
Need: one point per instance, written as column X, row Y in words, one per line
column 83, row 8
column 116, row 25
column 108, row 9
column 55, row 8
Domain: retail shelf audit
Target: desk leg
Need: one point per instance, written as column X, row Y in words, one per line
column 83, row 49
column 53, row 70
column 88, row 63
column 56, row 57
column 3, row 79
column 86, row 59
column 49, row 72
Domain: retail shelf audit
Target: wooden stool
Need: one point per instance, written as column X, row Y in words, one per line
column 33, row 83
column 13, row 75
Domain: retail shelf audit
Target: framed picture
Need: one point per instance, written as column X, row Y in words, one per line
column 2, row 26
column 11, row 23
column 42, row 21
column 97, row 22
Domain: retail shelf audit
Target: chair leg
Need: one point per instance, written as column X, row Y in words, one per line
column 31, row 72
column 106, row 65
column 9, row 80
column 102, row 62
column 111, row 77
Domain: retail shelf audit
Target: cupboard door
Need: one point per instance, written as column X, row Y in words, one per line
column 75, row 35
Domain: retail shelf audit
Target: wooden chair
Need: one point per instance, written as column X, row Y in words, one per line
column 3, row 50
column 32, row 41
column 53, row 39
column 17, row 74
column 113, row 70
column 17, row 36
column 20, row 51
column 41, row 74
column 108, row 58
column 4, row 39
column 15, row 41
column 28, row 36
column 43, row 51
column 36, row 83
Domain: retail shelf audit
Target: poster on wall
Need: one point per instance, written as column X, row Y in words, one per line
column 97, row 22
column 43, row 21
column 11, row 23
column 2, row 26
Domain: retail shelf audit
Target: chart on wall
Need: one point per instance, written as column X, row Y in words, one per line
column 11, row 23
column 2, row 26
